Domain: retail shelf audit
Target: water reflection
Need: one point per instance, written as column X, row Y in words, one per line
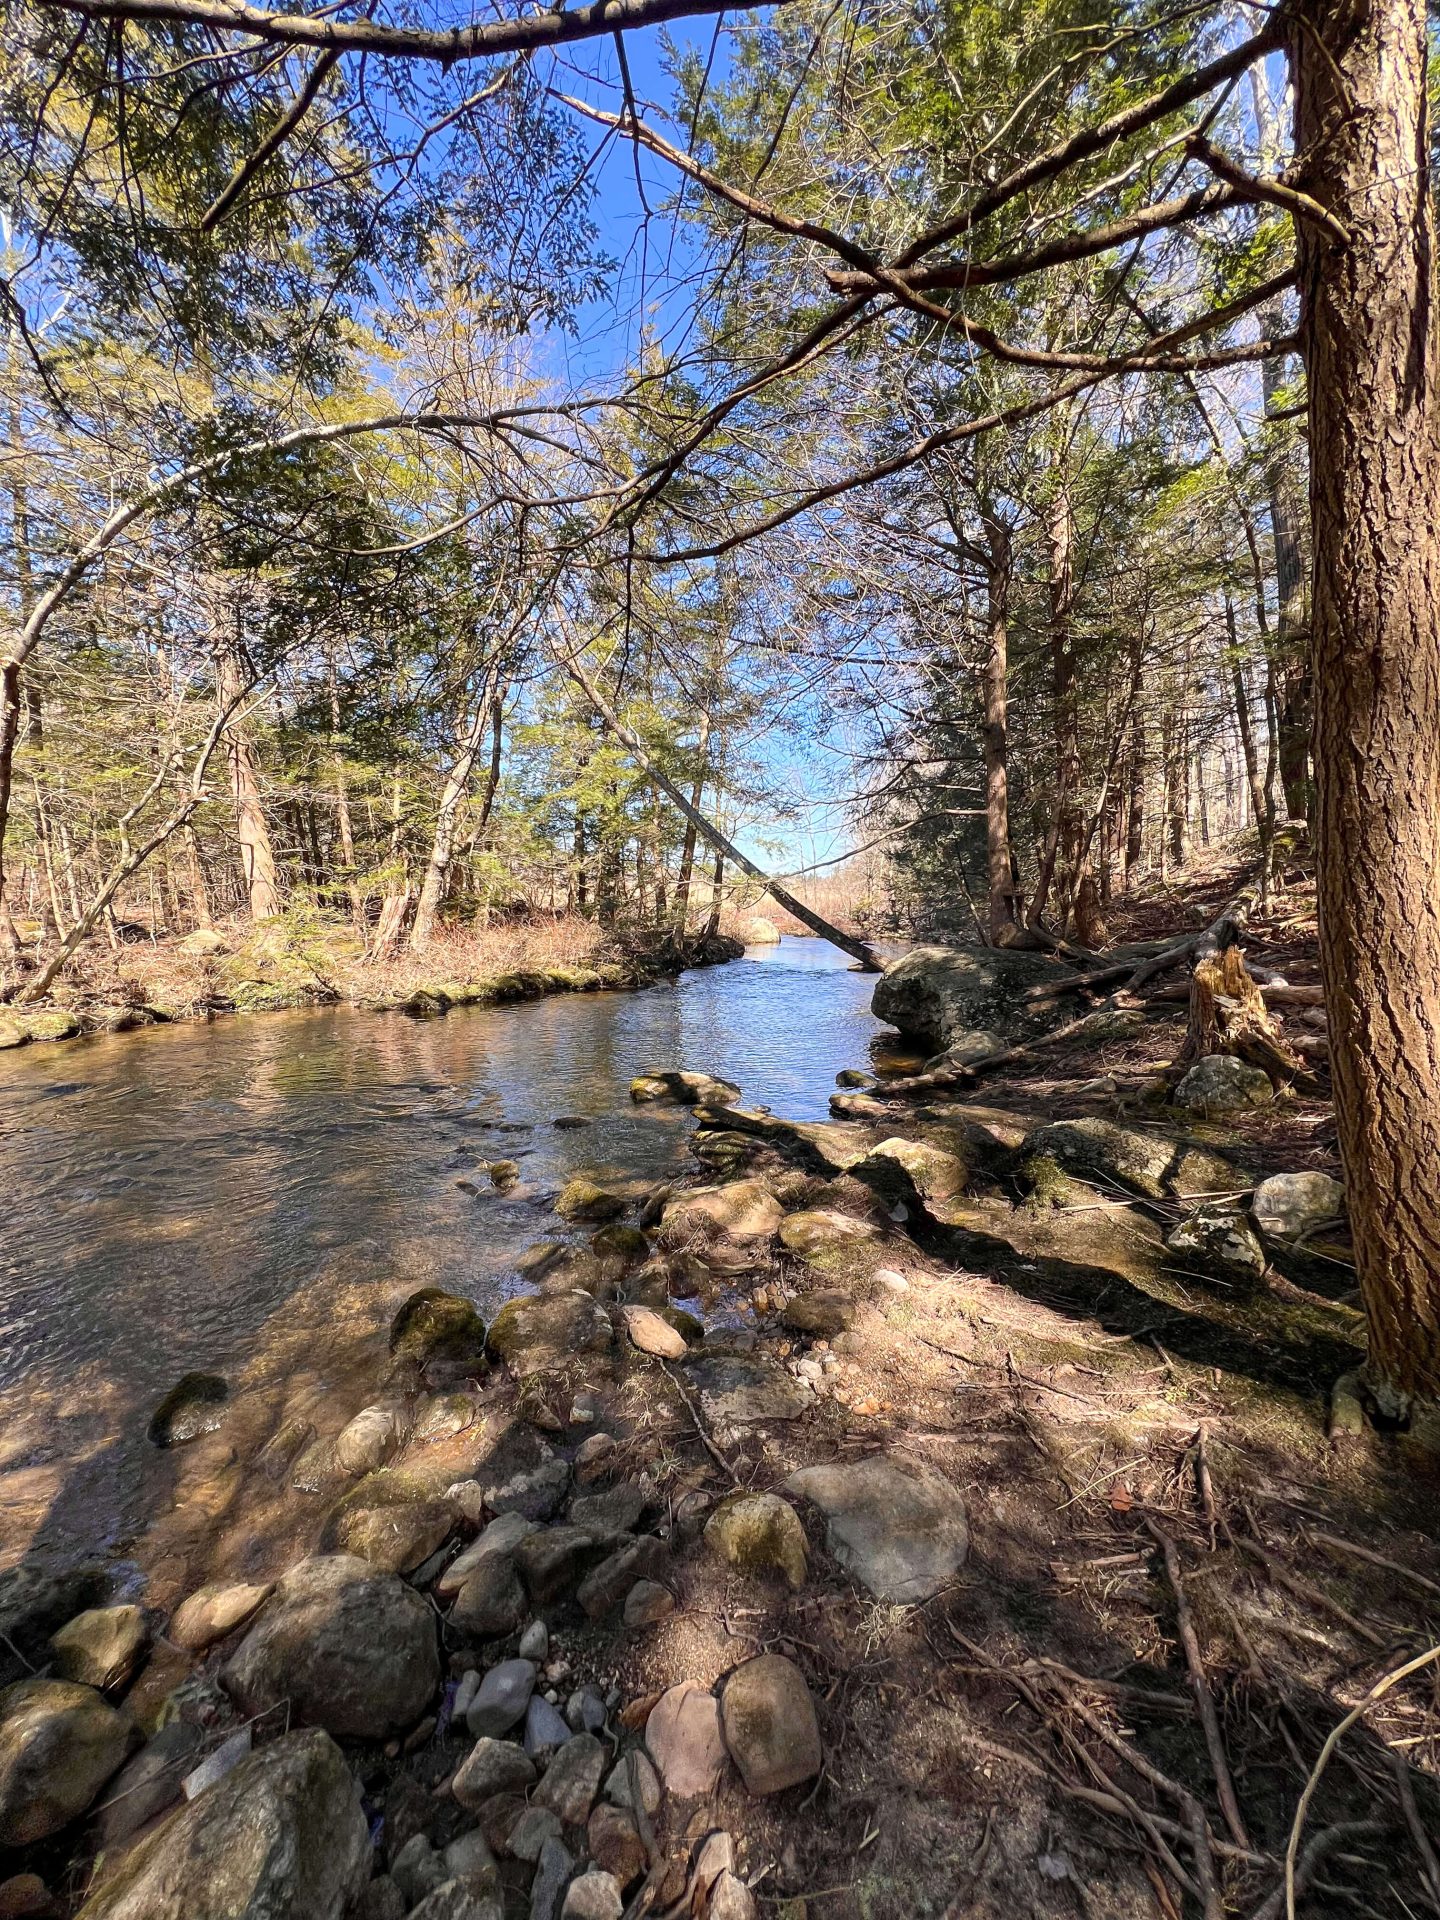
column 163, row 1202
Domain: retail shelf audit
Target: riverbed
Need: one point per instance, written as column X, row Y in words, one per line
column 200, row 1196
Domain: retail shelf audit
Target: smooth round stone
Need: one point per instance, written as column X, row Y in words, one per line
column 502, row 1698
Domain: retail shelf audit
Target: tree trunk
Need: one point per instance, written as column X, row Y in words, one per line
column 687, row 849
column 1369, row 332
column 1004, row 913
column 257, row 855
column 442, row 846
column 342, row 801
column 1069, row 813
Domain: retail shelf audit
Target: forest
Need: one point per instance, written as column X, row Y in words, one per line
column 508, row 505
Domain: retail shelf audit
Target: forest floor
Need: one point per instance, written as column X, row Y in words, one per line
column 1179, row 1580
column 315, row 960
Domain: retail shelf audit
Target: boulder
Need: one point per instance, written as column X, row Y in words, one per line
column 613, row 1842
column 49, row 1023
column 434, row 1325
column 493, row 1766
column 1219, row 1240
column 823, row 1313
column 443, row 1415
column 281, row 1837
column 611, row 1513
column 534, row 1493
column 59, row 1744
column 344, row 1647
column 1222, row 1083
column 492, row 1600
column 966, row 1048
column 936, row 994
column 607, row 1585
column 572, row 1780
column 500, row 1538
column 627, row 1245
column 594, row 1895
column 740, row 1213
column 206, row 942
column 212, row 1612
column 543, row 1331
column 914, row 1170
column 1154, row 1164
column 652, row 1334
column 1288, row 1205
column 101, row 1648
column 828, row 1240
column 369, row 1440
column 582, row 1198
column 193, row 1406
column 684, row 1089
column 393, row 1538
column 901, row 1532
column 739, row 1389
column 684, row 1737
column 553, row 1559
column 759, row 1533
column 770, row 1727
column 647, row 1603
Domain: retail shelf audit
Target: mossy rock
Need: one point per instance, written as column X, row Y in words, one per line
column 823, row 1313
column 759, row 1533
column 724, row 1153
column 504, row 1174
column 192, row 1407
column 582, row 1198
column 435, row 1325
column 546, row 1330
column 49, row 1023
column 1046, row 1184
column 618, row 1242
column 690, row 1328
column 12, row 1034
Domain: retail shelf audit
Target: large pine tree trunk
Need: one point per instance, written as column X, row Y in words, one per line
column 1369, row 330
column 252, row 831
column 1000, row 868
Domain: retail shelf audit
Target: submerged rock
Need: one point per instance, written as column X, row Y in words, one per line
column 936, row 994
column 1221, row 1083
column 346, row 1647
column 685, row 1089
column 1154, row 1164
column 582, row 1198
column 193, row 1406
column 101, row 1648
column 759, row 1532
column 435, row 1325
column 369, row 1440
column 59, row 1744
column 770, row 1726
column 901, row 1532
column 281, row 1837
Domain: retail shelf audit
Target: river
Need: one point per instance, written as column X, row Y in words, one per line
column 179, row 1197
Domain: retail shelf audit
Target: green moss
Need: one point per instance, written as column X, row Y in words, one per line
column 582, row 1199
column 435, row 1325
column 1047, row 1184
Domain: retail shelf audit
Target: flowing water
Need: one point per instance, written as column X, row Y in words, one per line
column 197, row 1195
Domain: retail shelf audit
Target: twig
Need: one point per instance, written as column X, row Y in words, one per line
column 1322, row 1843
column 1334, row 1541
column 708, row 1444
column 1204, row 1486
column 1332, row 1740
column 1405, row 1794
column 1200, row 1685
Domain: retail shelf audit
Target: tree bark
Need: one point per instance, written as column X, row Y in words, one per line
column 1069, row 813
column 257, row 854
column 442, row 846
column 1004, row 906
column 1369, row 332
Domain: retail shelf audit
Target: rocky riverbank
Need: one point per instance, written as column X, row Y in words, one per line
column 204, row 976
column 858, row 1528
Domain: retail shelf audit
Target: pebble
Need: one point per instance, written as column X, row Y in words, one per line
column 502, row 1698
column 465, row 1692
column 593, row 1896
column 535, row 1641
column 572, row 1780
column 592, row 1452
